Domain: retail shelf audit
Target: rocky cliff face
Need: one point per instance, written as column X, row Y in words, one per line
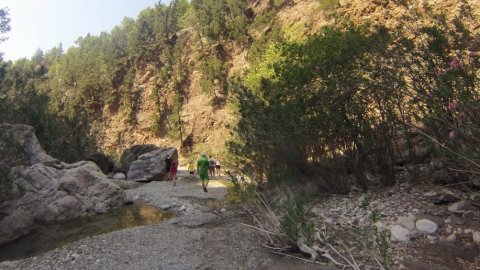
column 206, row 127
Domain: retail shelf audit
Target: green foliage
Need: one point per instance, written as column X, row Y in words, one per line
column 278, row 3
column 128, row 96
column 367, row 199
column 295, row 32
column 244, row 190
column 4, row 23
column 224, row 18
column 62, row 93
column 328, row 4
column 448, row 83
column 213, row 76
column 334, row 103
column 270, row 32
column 25, row 99
column 376, row 240
column 302, row 98
column 295, row 223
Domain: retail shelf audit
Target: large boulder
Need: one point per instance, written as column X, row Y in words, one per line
column 103, row 162
column 42, row 189
column 131, row 154
column 19, row 146
column 151, row 166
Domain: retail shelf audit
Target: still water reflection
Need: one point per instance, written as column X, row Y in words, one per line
column 49, row 236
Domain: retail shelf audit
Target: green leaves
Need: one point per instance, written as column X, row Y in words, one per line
column 221, row 19
column 337, row 101
column 4, row 23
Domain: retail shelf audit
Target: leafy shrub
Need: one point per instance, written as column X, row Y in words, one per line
column 372, row 237
column 338, row 101
column 295, row 222
column 243, row 189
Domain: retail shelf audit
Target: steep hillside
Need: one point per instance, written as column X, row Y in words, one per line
column 206, row 127
column 170, row 76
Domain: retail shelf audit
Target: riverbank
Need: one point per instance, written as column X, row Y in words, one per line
column 207, row 234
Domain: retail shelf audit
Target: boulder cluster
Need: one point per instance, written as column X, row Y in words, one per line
column 36, row 188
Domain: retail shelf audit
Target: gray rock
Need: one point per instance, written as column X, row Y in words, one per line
column 51, row 195
column 151, row 166
column 165, row 207
column 22, row 140
column 445, row 198
column 469, row 215
column 452, row 237
column 476, row 237
column 125, row 184
column 443, row 176
column 104, row 162
column 426, row 226
column 47, row 190
column 194, row 220
column 431, row 238
column 407, row 222
column 399, row 234
column 131, row 154
column 458, row 206
column 119, row 176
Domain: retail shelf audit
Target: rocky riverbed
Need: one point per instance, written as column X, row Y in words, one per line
column 429, row 227
column 207, row 231
column 205, row 234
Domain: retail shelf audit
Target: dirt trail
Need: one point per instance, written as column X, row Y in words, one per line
column 207, row 234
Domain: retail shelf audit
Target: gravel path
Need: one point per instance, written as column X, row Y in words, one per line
column 207, row 234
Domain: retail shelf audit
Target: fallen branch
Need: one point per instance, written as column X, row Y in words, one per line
column 466, row 171
column 257, row 228
column 352, row 263
column 298, row 258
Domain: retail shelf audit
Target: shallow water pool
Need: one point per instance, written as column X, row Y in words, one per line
column 50, row 236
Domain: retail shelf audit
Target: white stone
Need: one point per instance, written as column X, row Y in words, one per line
column 458, row 206
column 448, row 221
column 451, row 237
column 399, row 234
column 476, row 237
column 406, row 222
column 119, row 176
column 426, row 226
column 467, row 231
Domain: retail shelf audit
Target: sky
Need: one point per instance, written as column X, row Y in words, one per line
column 43, row 24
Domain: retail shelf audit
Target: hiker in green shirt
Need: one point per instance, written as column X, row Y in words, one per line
column 202, row 170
